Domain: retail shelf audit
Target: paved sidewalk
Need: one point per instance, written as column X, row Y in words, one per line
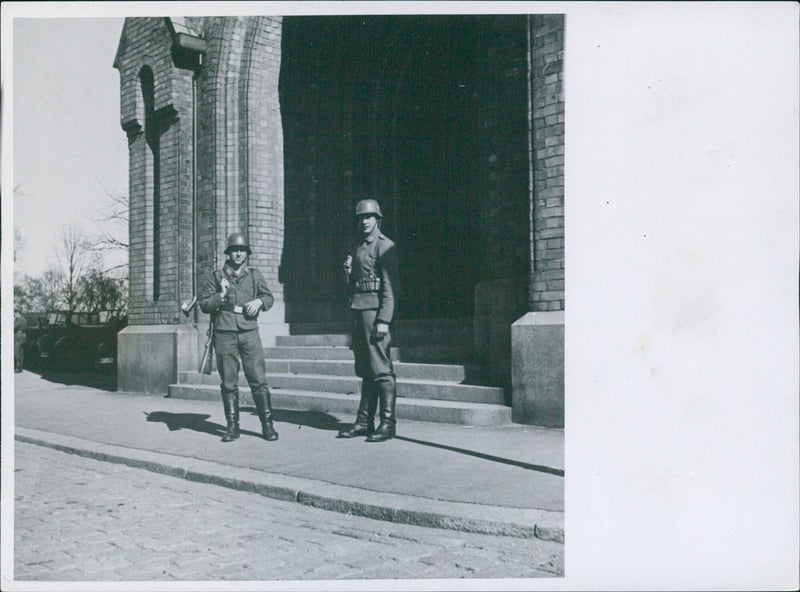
column 498, row 480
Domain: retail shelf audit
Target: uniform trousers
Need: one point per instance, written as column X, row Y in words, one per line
column 229, row 347
column 372, row 357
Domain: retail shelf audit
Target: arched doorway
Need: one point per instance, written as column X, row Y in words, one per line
column 382, row 107
column 435, row 131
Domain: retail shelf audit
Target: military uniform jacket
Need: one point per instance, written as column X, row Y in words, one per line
column 373, row 278
column 242, row 288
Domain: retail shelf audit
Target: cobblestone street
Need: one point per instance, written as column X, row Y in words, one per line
column 78, row 519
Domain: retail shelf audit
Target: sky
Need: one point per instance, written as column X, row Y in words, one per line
column 69, row 148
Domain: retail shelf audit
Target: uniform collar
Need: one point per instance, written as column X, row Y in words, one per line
column 231, row 273
column 373, row 236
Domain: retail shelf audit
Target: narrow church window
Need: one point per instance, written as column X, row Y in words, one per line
column 153, row 175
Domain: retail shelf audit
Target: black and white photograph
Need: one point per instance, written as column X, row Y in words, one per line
column 290, row 299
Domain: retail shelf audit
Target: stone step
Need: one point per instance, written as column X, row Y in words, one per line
column 436, row 354
column 461, row 339
column 402, row 326
column 455, row 324
column 316, row 340
column 458, row 413
column 315, row 353
column 427, row 354
column 464, row 373
column 408, row 387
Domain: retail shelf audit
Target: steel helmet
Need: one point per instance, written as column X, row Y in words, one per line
column 368, row 206
column 237, row 239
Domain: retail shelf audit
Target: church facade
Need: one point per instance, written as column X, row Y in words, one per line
column 276, row 127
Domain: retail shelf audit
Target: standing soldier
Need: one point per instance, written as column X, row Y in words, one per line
column 19, row 341
column 234, row 296
column 372, row 276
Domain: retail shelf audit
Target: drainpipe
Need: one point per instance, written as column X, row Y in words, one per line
column 188, row 51
column 194, row 192
column 531, row 164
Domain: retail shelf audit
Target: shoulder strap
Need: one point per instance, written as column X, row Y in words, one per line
column 254, row 272
column 217, row 275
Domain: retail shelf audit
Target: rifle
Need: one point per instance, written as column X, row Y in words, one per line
column 205, row 361
column 348, row 264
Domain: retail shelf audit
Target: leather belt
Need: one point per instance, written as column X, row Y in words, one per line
column 368, row 284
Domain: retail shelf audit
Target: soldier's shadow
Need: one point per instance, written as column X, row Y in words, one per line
column 312, row 419
column 186, row 421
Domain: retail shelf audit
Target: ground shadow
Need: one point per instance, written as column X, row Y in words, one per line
column 103, row 380
column 484, row 456
column 186, row 421
column 313, row 419
column 321, row 421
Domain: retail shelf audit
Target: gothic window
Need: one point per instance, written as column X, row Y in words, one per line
column 152, row 135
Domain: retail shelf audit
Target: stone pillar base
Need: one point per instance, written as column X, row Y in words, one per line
column 272, row 323
column 537, row 369
column 149, row 357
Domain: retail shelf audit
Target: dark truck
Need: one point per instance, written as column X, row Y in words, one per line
column 61, row 340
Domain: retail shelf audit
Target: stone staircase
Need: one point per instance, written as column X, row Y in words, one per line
column 312, row 370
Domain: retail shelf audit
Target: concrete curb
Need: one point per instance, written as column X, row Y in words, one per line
column 391, row 507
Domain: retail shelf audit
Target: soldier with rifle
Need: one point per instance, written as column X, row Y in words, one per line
column 372, row 276
column 234, row 296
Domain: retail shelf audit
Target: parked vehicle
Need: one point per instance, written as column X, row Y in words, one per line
column 79, row 341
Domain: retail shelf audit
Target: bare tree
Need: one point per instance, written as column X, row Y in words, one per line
column 112, row 221
column 74, row 257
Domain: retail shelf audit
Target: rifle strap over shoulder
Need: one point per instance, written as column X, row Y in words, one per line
column 217, row 275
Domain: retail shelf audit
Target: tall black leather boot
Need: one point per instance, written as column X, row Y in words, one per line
column 230, row 401
column 263, row 401
column 388, row 393
column 365, row 422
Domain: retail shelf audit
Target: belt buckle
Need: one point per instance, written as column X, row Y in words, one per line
column 238, row 309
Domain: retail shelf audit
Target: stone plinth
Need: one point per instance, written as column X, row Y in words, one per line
column 149, row 357
column 537, row 369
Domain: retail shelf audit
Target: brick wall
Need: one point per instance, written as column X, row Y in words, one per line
column 240, row 142
column 522, row 187
column 547, row 244
column 146, row 42
column 261, row 143
column 504, row 164
column 208, row 246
